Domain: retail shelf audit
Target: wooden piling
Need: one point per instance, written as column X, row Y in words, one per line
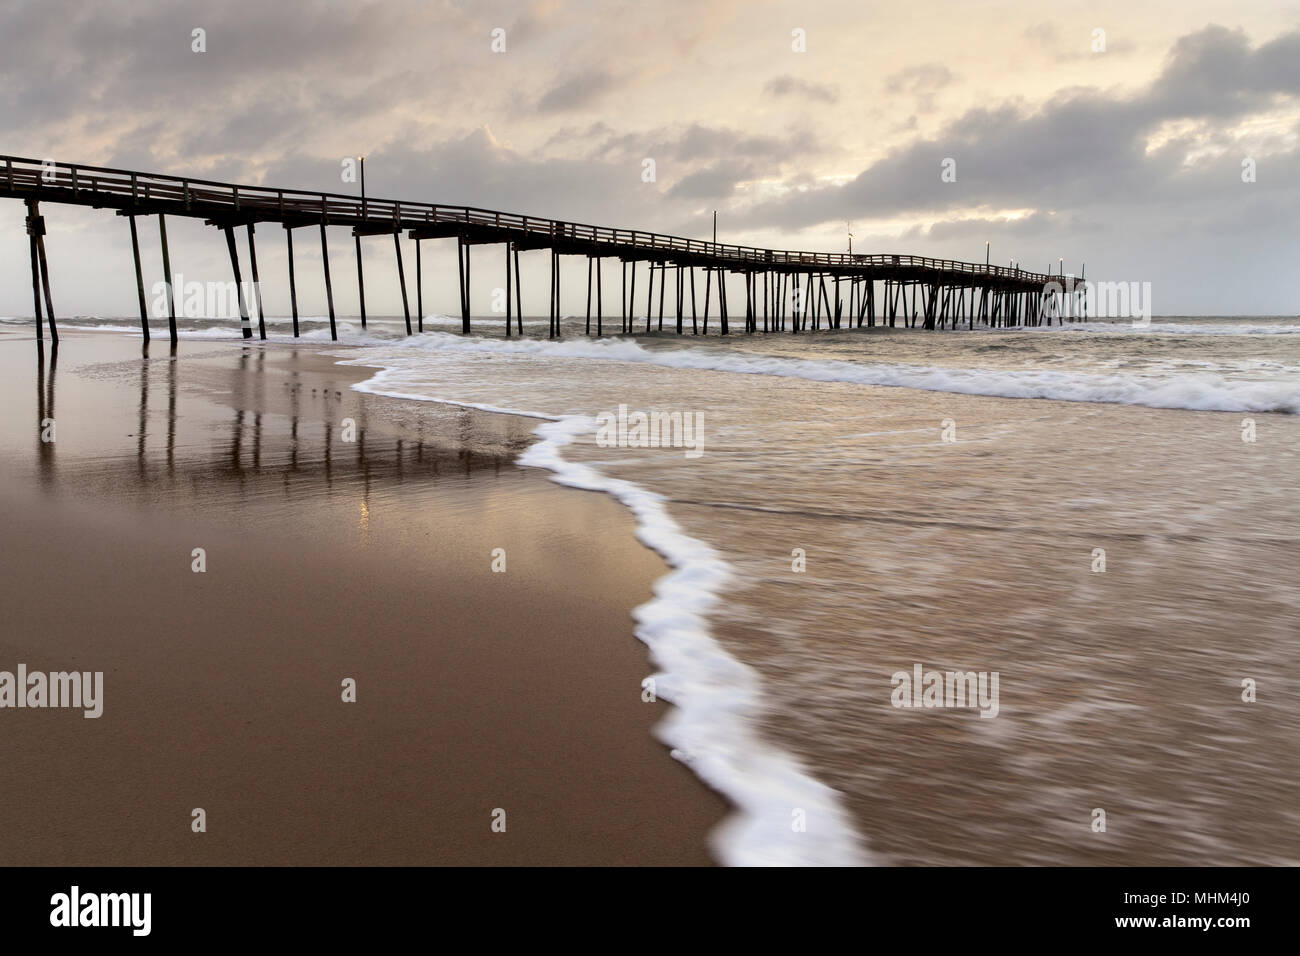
column 419, row 287
column 361, row 279
column 631, row 302
column 555, row 293
column 293, row 284
column 708, row 288
column 257, row 286
column 680, row 298
column 245, row 326
column 550, row 306
column 623, row 297
column 590, row 268
column 749, row 301
column 36, row 289
column 401, row 279
column 139, row 280
column 695, row 324
column 466, row 316
column 45, row 282
column 167, row 277
column 329, row 287
column 519, row 301
column 649, row 296
column 663, row 283
column 462, row 254
column 722, row 300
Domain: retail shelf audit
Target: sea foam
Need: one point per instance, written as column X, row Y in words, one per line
column 712, row 727
column 1202, row 391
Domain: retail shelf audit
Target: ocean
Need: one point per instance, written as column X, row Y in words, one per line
column 1103, row 516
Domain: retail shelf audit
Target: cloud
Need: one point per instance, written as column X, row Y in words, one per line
column 1083, row 148
column 714, row 182
column 577, row 90
column 922, row 80
column 787, row 85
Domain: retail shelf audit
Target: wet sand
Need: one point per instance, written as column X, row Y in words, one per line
column 325, row 560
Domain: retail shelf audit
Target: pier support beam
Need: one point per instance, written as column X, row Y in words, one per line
column 401, row 280
column 462, row 266
column 519, row 301
column 708, row 288
column 663, row 284
column 36, row 230
column 629, row 312
column 245, row 326
column 649, row 296
column 361, row 280
column 167, row 277
column 293, row 284
column 931, row 306
column 329, row 287
column 681, row 300
column 722, row 300
column 257, row 285
column 555, row 295
column 695, row 322
column 36, row 290
column 139, row 281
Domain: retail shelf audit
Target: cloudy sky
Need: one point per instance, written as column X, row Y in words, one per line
column 1111, row 133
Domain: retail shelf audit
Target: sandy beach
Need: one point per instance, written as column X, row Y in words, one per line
column 325, row 560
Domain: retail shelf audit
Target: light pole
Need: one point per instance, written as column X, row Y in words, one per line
column 363, row 185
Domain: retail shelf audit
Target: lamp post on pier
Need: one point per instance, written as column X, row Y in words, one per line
column 362, row 160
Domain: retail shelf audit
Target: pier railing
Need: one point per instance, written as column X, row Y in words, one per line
column 123, row 187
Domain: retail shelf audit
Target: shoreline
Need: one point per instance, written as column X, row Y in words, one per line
column 715, row 693
column 535, row 707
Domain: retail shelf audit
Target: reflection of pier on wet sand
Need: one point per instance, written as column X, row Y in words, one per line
column 324, row 437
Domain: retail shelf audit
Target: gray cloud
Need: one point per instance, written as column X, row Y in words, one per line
column 576, row 91
column 1084, row 147
column 922, row 80
column 715, row 182
column 787, row 85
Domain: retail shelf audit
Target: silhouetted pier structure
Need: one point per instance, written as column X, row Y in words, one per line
column 784, row 291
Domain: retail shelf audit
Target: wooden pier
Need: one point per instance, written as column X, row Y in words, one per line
column 785, row 291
